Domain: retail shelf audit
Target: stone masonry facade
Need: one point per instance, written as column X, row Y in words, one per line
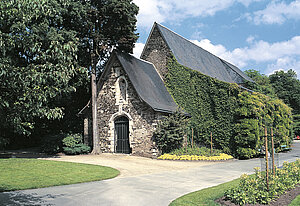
column 113, row 103
column 157, row 52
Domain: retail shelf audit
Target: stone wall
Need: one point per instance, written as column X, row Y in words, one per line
column 111, row 104
column 157, row 52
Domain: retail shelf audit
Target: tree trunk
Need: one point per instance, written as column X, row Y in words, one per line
column 96, row 145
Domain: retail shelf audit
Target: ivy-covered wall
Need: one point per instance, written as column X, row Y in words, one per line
column 234, row 116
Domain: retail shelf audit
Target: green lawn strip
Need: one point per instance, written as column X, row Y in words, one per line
column 206, row 196
column 20, row 174
column 295, row 202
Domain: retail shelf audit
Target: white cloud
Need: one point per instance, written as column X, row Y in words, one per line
column 138, row 49
column 248, row 2
column 284, row 63
column 206, row 44
column 177, row 10
column 277, row 13
column 250, row 39
column 279, row 55
column 149, row 12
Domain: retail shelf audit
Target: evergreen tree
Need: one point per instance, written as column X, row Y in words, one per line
column 170, row 132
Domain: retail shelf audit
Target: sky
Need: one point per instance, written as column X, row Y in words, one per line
column 252, row 34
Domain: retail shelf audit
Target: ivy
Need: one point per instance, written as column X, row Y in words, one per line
column 234, row 116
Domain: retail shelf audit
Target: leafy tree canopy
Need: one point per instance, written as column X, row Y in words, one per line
column 262, row 83
column 44, row 54
column 281, row 84
column 287, row 88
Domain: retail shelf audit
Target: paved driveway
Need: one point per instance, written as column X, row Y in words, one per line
column 155, row 188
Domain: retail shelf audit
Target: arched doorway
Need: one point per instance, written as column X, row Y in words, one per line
column 122, row 135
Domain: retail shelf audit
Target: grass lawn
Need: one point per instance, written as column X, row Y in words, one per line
column 19, row 174
column 206, row 196
column 296, row 201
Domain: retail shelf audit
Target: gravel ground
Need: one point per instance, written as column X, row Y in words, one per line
column 129, row 165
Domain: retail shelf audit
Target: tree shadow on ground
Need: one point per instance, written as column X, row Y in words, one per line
column 25, row 153
column 17, row 198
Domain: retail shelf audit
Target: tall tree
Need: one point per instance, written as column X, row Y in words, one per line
column 45, row 54
column 287, row 88
column 112, row 25
column 38, row 60
column 261, row 83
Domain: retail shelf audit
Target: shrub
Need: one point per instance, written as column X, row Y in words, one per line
column 72, row 140
column 72, row 144
column 3, row 142
column 77, row 149
column 253, row 189
column 246, row 153
column 170, row 132
column 200, row 151
column 52, row 144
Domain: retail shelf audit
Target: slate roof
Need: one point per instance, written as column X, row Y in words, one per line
column 190, row 55
column 147, row 83
column 145, row 80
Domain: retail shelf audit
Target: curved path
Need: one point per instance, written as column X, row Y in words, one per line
column 158, row 187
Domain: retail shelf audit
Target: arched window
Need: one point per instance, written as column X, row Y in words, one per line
column 122, row 86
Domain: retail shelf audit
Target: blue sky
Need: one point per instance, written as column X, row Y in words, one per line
column 252, row 34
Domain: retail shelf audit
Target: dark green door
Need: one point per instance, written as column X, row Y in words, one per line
column 122, row 135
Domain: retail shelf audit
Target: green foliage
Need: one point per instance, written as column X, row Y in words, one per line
column 261, row 83
column 200, row 151
column 283, row 85
column 170, row 132
column 78, row 149
column 3, row 142
column 287, row 88
column 38, row 60
column 114, row 26
column 45, row 50
column 296, row 124
column 253, row 189
column 72, row 144
column 52, row 144
column 246, row 153
column 210, row 102
column 296, row 201
column 234, row 116
column 62, row 142
column 253, row 113
column 72, row 140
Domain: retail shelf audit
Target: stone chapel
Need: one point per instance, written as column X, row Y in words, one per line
column 132, row 97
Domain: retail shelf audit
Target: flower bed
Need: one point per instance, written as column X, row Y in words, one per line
column 253, row 189
column 220, row 157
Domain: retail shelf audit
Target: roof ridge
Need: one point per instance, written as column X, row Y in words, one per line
column 187, row 40
column 169, row 36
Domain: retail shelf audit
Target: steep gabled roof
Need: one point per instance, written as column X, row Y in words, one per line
column 145, row 80
column 147, row 83
column 190, row 55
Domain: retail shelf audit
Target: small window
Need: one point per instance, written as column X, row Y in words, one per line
column 122, row 85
